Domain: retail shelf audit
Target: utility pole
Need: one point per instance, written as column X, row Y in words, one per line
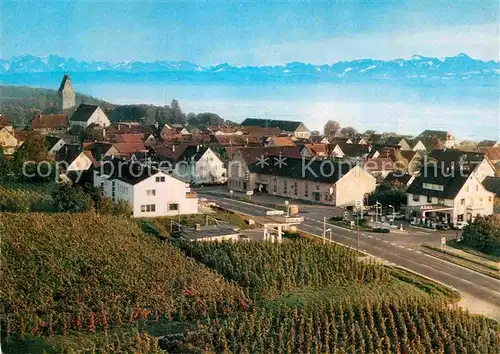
column 357, row 226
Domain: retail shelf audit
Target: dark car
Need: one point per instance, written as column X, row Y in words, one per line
column 442, row 226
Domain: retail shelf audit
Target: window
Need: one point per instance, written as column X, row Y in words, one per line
column 210, row 159
column 467, row 189
column 462, row 201
column 317, row 187
column 160, row 179
column 441, row 201
column 150, row 192
column 489, row 199
column 306, row 189
column 285, row 186
column 275, row 185
column 477, row 188
column 416, row 198
column 295, row 188
column 148, row 208
column 429, row 199
column 173, row 206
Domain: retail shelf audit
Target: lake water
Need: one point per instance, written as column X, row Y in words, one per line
column 468, row 112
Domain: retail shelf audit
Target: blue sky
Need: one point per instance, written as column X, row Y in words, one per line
column 249, row 32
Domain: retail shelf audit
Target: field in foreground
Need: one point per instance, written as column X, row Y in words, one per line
column 84, row 283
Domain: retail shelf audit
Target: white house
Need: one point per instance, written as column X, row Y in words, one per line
column 200, row 165
column 449, row 195
column 87, row 114
column 150, row 192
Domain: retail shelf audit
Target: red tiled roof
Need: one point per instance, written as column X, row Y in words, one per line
column 492, row 153
column 282, row 141
column 317, row 149
column 129, row 138
column 21, row 135
column 50, row 121
column 130, row 148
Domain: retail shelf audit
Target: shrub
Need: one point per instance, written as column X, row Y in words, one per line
column 483, row 234
column 71, row 198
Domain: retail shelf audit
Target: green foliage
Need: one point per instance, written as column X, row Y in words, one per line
column 483, row 234
column 4, row 165
column 267, row 269
column 123, row 208
column 71, row 198
column 87, row 272
column 387, row 195
column 18, row 200
column 351, row 326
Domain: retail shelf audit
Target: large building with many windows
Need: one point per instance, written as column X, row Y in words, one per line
column 150, row 192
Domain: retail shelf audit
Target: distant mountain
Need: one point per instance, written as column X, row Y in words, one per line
column 460, row 67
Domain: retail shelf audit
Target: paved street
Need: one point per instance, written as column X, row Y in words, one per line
column 398, row 248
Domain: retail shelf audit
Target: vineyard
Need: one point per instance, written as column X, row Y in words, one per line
column 268, row 270
column 85, row 272
column 365, row 326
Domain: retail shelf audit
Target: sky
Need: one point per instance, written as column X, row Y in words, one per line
column 249, row 32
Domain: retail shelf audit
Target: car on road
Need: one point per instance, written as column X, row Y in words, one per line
column 396, row 216
column 442, row 226
column 461, row 224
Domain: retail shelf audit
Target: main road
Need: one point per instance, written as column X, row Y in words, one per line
column 481, row 292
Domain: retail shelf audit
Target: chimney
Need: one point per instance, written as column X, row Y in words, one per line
column 156, row 125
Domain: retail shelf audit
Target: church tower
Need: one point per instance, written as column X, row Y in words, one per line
column 66, row 94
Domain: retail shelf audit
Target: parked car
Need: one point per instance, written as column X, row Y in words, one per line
column 461, row 224
column 396, row 216
column 442, row 226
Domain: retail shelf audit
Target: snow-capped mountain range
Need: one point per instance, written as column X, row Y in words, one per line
column 418, row 67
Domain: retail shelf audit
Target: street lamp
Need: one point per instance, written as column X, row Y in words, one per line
column 330, row 231
column 377, row 205
column 393, row 213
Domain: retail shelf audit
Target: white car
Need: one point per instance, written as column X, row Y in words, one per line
column 461, row 224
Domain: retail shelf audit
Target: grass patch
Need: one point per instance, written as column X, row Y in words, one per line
column 462, row 261
column 465, row 248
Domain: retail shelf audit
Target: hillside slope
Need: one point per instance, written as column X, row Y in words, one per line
column 85, row 271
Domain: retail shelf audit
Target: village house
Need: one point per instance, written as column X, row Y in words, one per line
column 379, row 167
column 50, row 123
column 493, row 154
column 88, row 114
column 280, row 141
column 319, row 181
column 67, row 95
column 54, row 144
column 399, row 180
column 314, row 150
column 8, row 140
column 417, row 145
column 466, row 161
column 447, row 195
column 200, row 165
column 297, row 129
column 72, row 158
column 442, row 136
column 150, row 192
column 348, row 151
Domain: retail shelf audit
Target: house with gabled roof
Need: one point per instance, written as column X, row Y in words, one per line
column 8, row 139
column 87, row 114
column 50, row 123
column 314, row 150
column 297, row 129
column 281, row 171
column 149, row 191
column 200, row 165
column 447, row 195
column 466, row 161
column 446, row 138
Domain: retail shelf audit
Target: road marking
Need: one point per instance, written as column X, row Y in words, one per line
column 401, row 246
column 369, row 236
column 418, row 252
column 377, row 238
column 386, row 241
column 409, row 249
column 393, row 244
